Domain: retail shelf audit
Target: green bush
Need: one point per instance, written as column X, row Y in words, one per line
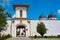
column 52, row 37
column 35, row 36
column 45, row 36
column 5, row 37
column 41, row 29
column 18, row 33
column 8, row 36
column 58, row 36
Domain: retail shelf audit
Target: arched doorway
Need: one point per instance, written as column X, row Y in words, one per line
column 21, row 30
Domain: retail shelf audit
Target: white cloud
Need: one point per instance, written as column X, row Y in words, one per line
column 59, row 11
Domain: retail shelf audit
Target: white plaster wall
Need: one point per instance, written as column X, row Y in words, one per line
column 13, row 30
column 17, row 14
column 52, row 18
column 24, row 14
column 14, row 26
column 17, row 22
column 27, row 27
column 53, row 27
column 33, row 27
column 24, row 11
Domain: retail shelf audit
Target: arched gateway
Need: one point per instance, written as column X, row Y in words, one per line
column 21, row 30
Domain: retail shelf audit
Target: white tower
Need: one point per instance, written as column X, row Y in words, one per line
column 20, row 19
column 20, row 11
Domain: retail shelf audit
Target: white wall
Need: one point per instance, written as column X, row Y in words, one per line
column 24, row 11
column 53, row 27
column 17, row 14
column 13, row 30
column 33, row 27
column 27, row 27
column 24, row 14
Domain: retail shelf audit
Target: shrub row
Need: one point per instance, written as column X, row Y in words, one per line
column 58, row 36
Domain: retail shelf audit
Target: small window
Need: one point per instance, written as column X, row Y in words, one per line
column 20, row 13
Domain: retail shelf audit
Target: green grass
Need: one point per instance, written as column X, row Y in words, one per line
column 44, row 37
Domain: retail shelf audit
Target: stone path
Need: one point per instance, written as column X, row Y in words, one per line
column 25, row 38
column 19, row 38
column 47, row 39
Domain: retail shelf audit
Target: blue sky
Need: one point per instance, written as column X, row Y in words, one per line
column 36, row 7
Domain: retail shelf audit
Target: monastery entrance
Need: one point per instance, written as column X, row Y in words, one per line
column 21, row 31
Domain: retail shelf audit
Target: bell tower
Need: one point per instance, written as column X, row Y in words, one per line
column 20, row 19
column 20, row 11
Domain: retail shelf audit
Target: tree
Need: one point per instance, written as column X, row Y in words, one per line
column 41, row 29
column 3, row 18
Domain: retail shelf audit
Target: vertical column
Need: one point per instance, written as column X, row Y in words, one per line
column 30, row 29
column 13, row 30
column 27, row 30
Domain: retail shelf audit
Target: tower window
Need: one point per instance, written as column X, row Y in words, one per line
column 20, row 13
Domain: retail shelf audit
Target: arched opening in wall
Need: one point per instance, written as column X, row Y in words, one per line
column 21, row 31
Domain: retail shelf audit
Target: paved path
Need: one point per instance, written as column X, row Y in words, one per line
column 25, row 38
column 47, row 39
column 19, row 38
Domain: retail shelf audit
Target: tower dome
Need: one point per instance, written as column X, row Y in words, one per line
column 52, row 17
column 42, row 17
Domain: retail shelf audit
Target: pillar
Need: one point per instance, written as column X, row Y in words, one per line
column 13, row 30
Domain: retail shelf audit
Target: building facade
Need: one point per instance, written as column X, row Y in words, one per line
column 22, row 26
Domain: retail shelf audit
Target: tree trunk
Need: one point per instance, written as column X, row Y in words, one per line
column 42, row 35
